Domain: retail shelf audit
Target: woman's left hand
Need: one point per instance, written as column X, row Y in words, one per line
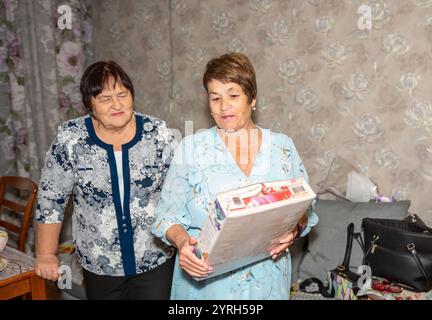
column 277, row 250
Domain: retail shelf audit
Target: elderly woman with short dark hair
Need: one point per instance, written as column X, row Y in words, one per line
column 113, row 161
column 234, row 153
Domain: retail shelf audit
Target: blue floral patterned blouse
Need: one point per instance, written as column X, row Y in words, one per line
column 109, row 240
column 202, row 166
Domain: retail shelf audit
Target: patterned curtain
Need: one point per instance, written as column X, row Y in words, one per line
column 41, row 61
column 40, row 66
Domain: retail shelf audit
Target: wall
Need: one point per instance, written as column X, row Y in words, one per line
column 334, row 88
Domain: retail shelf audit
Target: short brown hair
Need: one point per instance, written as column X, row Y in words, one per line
column 96, row 77
column 232, row 67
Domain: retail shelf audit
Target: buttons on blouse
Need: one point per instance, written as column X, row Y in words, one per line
column 124, row 225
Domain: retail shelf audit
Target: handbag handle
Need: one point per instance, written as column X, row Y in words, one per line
column 411, row 248
column 344, row 267
column 350, row 237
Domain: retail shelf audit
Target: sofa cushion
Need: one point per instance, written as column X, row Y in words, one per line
column 297, row 252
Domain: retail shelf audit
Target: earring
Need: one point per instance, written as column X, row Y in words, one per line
column 254, row 108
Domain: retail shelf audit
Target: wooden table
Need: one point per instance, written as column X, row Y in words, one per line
column 19, row 277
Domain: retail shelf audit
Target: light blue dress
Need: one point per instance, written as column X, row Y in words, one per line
column 202, row 166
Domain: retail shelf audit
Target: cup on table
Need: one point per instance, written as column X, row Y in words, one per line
column 3, row 239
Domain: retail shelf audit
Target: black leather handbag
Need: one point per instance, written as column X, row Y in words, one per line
column 400, row 251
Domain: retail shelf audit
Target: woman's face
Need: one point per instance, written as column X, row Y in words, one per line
column 229, row 105
column 113, row 106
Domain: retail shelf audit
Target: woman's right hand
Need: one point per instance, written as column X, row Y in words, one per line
column 47, row 266
column 189, row 262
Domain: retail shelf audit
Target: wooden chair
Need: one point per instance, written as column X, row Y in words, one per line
column 24, row 212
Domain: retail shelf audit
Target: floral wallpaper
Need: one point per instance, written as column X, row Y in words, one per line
column 138, row 37
column 332, row 84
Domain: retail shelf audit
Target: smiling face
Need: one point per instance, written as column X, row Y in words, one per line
column 229, row 106
column 112, row 108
